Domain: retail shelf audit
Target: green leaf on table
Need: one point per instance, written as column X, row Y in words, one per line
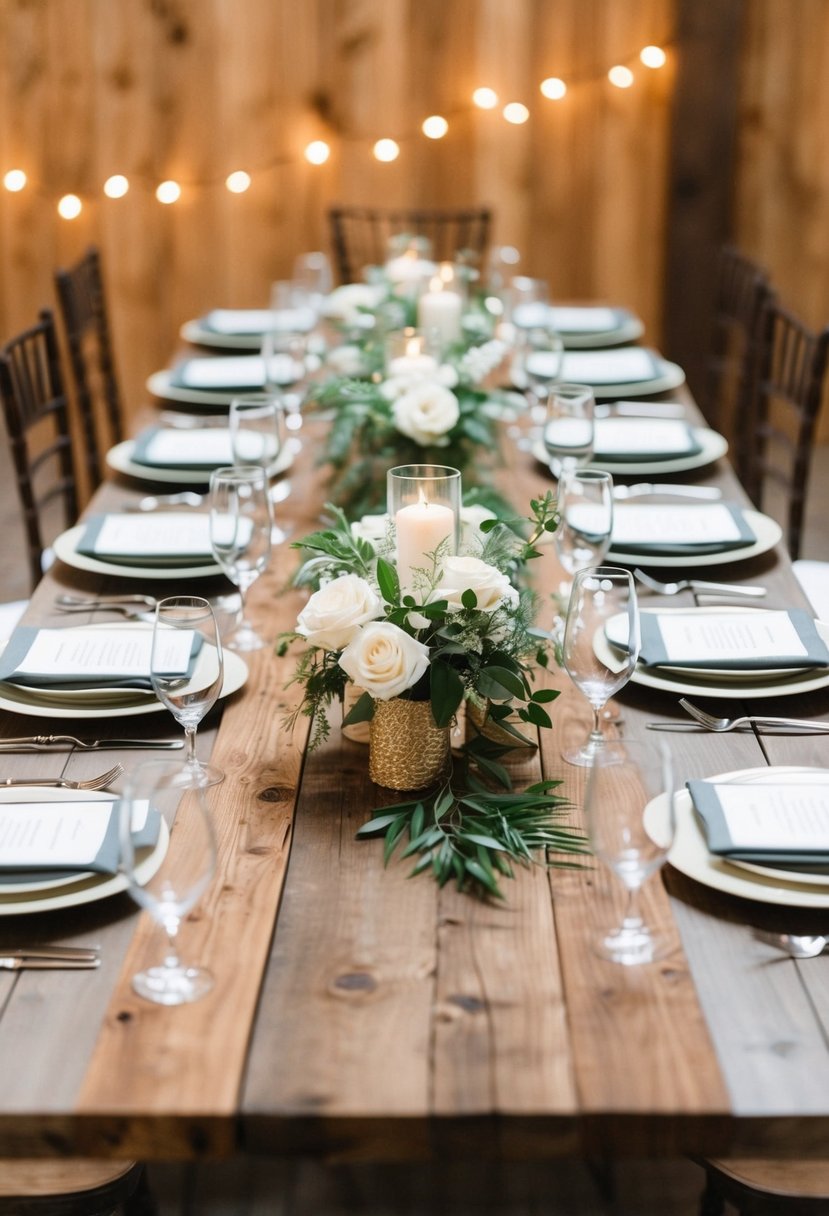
column 361, row 711
column 446, row 692
column 499, row 684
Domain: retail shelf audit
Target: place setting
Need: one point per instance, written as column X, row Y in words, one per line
column 678, row 534
column 211, row 382
column 244, row 328
column 185, row 455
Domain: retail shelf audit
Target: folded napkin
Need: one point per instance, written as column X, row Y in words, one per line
column 160, row 538
column 624, row 365
column 753, row 640
column 235, row 373
column 244, row 322
column 89, row 656
column 765, row 822
column 43, row 840
column 684, row 528
column 589, row 320
column 643, row 439
column 194, row 448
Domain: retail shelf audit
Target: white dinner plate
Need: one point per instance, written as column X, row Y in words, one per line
column 160, row 385
column 689, row 852
column 120, row 459
column 200, row 335
column 83, row 888
column 627, row 331
column 766, row 531
column 65, row 547
column 730, row 684
column 712, row 446
column 85, row 704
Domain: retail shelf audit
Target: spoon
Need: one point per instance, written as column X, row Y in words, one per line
column 794, row 944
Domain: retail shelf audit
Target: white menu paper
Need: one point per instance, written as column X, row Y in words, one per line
column 729, row 637
column 584, row 320
column 707, row 524
column 626, row 365
column 645, row 436
column 102, row 654
column 199, row 446
column 156, row 534
column 776, row 817
column 63, row 834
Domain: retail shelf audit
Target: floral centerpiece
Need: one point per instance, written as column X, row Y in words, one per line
column 459, row 633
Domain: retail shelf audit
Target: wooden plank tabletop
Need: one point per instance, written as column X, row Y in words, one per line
column 383, row 1019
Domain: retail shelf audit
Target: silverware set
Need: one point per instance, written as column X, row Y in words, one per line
column 50, row 958
column 50, row 743
column 62, row 783
column 709, row 722
column 737, row 590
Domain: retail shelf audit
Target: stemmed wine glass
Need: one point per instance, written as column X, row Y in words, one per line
column 255, row 438
column 188, row 694
column 585, row 505
column 172, row 791
column 624, row 779
column 599, row 594
column 240, row 535
column 568, row 430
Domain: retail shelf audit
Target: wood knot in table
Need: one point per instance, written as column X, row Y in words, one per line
column 355, row 981
column 454, row 1007
column 275, row 793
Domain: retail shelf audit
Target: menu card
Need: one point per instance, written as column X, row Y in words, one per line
column 190, row 448
column 162, row 538
column 589, row 320
column 67, row 836
column 755, row 639
column 766, row 821
column 682, row 528
column 117, row 656
column 625, row 365
column 231, row 373
column 643, row 439
column 258, row 321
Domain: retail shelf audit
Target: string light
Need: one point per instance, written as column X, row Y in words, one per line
column 485, row 99
column 553, row 87
column 621, row 76
column 435, row 127
column 238, row 182
column 116, row 186
column 387, row 149
column 653, row 56
column 515, row 112
column 14, row 180
column 70, row 207
column 317, row 152
column 168, row 192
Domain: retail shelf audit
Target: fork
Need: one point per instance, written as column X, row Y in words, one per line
column 644, row 489
column 13, row 962
column 718, row 725
column 151, row 502
column 62, row 783
column 694, row 584
column 107, row 601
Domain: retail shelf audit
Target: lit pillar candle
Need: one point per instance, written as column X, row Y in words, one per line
column 421, row 528
column 440, row 311
column 415, row 361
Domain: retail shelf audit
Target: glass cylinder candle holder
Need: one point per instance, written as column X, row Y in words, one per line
column 412, row 352
column 408, row 262
column 424, row 504
column 440, row 307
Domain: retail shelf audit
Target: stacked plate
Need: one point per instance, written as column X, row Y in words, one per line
column 182, row 456
column 586, row 327
column 244, row 328
column 649, row 446
column 157, row 545
column 687, row 534
column 212, row 383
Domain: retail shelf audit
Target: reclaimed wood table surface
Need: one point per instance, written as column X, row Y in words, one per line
column 359, row 1014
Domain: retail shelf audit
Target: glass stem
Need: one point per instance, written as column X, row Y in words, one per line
column 631, row 919
column 596, row 735
column 171, row 958
column 190, row 736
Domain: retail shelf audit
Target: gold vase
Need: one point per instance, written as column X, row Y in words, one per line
column 407, row 750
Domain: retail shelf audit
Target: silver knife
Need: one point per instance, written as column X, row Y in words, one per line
column 49, row 743
column 644, row 488
column 12, row 962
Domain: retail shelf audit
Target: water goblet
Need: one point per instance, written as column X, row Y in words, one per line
column 568, row 430
column 255, row 437
column 186, row 625
column 169, row 790
column 624, row 780
column 585, row 505
column 599, row 594
column 240, row 535
column 312, row 274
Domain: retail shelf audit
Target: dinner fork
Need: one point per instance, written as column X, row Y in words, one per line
column 695, row 584
column 151, row 502
column 718, row 725
column 62, row 783
column 107, row 601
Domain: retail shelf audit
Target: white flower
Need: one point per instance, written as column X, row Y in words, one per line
column 492, row 588
column 471, row 520
column 347, row 304
column 426, row 413
column 373, row 528
column 335, row 613
column 396, row 386
column 447, row 375
column 384, row 660
column 346, row 360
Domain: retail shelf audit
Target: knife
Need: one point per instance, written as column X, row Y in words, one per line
column 11, row 962
column 643, row 489
column 48, row 743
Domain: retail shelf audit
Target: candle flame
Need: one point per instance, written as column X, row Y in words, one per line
column 423, row 501
column 412, row 346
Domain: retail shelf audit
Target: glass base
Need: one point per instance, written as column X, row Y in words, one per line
column 632, row 946
column 244, row 638
column 172, row 985
column 205, row 775
column 583, row 756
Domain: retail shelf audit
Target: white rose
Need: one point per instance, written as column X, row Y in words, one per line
column 334, row 614
column 396, row 386
column 346, row 360
column 492, row 588
column 426, row 413
column 372, row 528
column 471, row 520
column 347, row 303
column 446, row 375
column 384, row 660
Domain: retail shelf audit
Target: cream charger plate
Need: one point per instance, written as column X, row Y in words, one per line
column 120, row 459
column 65, row 548
column 767, row 532
column 712, row 446
column 628, row 330
column 84, row 888
column 160, row 384
column 689, row 852
column 201, row 335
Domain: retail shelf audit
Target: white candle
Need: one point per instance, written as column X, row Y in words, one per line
column 441, row 311
column 412, row 365
column 421, row 528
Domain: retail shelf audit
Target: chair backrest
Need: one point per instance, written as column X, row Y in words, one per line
column 360, row 235
column 742, row 293
column 82, row 301
column 790, row 384
column 37, row 419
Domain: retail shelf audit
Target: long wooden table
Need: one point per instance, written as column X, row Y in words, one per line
column 362, row 1015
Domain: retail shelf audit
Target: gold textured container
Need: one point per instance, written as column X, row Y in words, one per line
column 407, row 750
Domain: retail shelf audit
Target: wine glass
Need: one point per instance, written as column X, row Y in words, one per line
column 599, row 593
column 624, row 779
column 312, row 274
column 585, row 505
column 255, row 439
column 568, row 430
column 170, row 790
column 240, row 535
column 185, row 626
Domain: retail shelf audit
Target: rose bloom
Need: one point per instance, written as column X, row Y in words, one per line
column 346, row 360
column 384, row 660
column 347, row 303
column 426, row 413
column 334, row 614
column 492, row 588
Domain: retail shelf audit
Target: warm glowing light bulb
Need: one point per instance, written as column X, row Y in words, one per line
column 238, row 182
column 553, row 87
column 621, row 76
column 116, row 186
column 653, row 56
column 386, row 149
column 70, row 207
column 15, row 180
column 317, row 152
column 168, row 192
column 485, row 99
column 516, row 111
column 435, row 126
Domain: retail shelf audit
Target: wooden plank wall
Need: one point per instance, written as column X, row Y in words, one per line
column 193, row 89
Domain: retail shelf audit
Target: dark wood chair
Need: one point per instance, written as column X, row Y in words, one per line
column 742, row 293
column 74, row 1188
column 83, row 310
column 781, row 419
column 360, row 235
column 37, row 420
column 765, row 1188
